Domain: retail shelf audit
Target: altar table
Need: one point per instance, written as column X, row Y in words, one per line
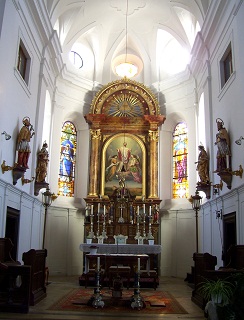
column 121, row 248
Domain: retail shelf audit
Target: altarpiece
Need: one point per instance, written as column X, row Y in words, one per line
column 124, row 121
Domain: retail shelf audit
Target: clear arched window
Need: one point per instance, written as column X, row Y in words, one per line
column 180, row 152
column 67, row 160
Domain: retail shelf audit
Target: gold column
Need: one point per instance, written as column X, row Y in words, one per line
column 94, row 162
column 153, row 164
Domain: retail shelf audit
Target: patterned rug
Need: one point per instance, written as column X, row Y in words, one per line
column 154, row 302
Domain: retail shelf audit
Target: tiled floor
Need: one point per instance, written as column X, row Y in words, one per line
column 59, row 286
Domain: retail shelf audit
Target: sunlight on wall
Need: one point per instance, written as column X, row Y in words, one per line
column 189, row 23
column 47, row 119
column 172, row 58
column 201, row 122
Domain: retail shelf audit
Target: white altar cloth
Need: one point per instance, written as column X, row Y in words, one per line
column 122, row 248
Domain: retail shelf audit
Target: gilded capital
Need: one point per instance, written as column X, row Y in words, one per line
column 96, row 134
column 153, row 135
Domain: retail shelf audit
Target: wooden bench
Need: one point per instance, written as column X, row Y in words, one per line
column 37, row 260
column 14, row 281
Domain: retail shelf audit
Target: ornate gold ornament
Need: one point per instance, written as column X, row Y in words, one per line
column 96, row 134
column 134, row 92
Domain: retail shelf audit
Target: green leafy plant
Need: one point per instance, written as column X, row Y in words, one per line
column 219, row 291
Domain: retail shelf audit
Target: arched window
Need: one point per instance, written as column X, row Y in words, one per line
column 67, row 160
column 180, row 151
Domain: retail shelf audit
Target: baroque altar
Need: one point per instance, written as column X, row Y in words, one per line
column 122, row 205
column 124, row 121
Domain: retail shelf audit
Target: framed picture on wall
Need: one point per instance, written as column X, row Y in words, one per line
column 123, row 153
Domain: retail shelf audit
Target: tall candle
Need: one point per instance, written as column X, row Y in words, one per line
column 138, row 210
column 92, row 209
column 104, row 209
column 139, row 264
column 98, row 263
column 144, row 208
column 98, row 208
column 150, row 210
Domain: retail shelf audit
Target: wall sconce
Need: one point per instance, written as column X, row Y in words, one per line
column 5, row 167
column 7, row 136
column 219, row 214
column 238, row 142
column 226, row 175
column 239, row 172
column 25, row 181
column 217, row 187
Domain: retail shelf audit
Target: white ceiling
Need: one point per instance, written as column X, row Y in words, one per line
column 98, row 30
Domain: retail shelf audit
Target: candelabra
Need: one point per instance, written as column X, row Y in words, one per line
column 150, row 219
column 104, row 233
column 97, row 297
column 91, row 232
column 138, row 234
column 144, row 221
column 137, row 300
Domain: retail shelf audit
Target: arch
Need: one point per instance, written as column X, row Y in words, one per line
column 130, row 89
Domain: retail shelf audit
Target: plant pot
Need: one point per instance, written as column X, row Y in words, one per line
column 88, row 241
column 151, row 242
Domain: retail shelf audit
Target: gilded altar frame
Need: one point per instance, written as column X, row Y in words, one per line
column 124, row 109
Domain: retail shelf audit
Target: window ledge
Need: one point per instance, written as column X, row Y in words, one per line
column 22, row 82
column 227, row 85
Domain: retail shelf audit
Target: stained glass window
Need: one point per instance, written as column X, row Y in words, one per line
column 180, row 151
column 67, row 160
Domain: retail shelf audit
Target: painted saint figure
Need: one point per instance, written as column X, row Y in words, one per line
column 66, row 164
column 124, row 154
column 134, row 168
column 111, row 170
column 23, row 143
column 223, row 144
column 203, row 164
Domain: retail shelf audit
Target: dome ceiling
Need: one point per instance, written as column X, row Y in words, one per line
column 157, row 33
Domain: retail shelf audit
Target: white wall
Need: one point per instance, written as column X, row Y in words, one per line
column 65, row 232
column 31, row 217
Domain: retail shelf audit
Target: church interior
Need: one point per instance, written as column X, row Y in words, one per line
column 118, row 138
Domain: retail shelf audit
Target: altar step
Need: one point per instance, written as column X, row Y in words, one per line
column 145, row 282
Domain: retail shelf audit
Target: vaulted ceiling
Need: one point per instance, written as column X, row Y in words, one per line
column 155, row 35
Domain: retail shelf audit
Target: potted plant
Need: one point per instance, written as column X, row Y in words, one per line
column 219, row 291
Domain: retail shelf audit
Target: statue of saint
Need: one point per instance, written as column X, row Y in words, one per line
column 223, row 144
column 42, row 163
column 203, row 165
column 23, row 143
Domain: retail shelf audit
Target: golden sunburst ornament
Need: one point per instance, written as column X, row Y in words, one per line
column 124, row 105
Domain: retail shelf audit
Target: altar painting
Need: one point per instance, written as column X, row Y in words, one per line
column 124, row 156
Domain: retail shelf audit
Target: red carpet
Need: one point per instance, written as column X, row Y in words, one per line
column 155, row 302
